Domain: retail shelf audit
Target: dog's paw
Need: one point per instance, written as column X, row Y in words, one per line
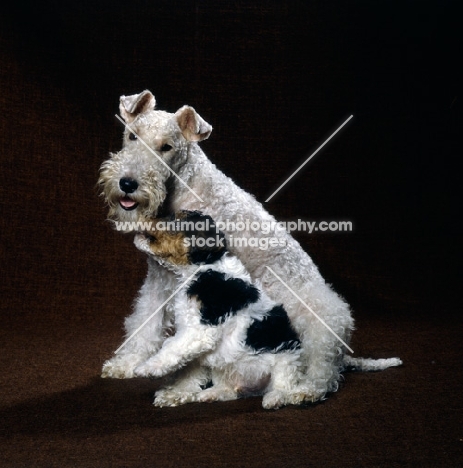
column 303, row 396
column 217, row 393
column 171, row 397
column 150, row 368
column 274, row 399
column 308, row 397
column 121, row 367
column 309, row 394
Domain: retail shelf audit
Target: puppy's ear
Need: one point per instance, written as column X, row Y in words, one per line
column 131, row 106
column 192, row 126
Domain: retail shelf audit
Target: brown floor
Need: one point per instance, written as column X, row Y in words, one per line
column 56, row 411
column 274, row 79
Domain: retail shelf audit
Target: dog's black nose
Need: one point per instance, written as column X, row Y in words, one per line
column 128, row 185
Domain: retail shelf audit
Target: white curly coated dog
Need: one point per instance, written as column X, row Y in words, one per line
column 162, row 169
column 242, row 341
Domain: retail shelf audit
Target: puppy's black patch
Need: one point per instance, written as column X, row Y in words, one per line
column 206, row 244
column 221, row 297
column 213, row 247
column 273, row 333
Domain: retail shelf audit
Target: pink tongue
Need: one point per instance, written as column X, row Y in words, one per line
column 127, row 202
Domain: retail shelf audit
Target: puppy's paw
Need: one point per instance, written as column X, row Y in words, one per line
column 276, row 399
column 150, row 368
column 217, row 393
column 171, row 397
column 121, row 366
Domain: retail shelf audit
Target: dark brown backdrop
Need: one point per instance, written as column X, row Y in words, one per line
column 274, row 79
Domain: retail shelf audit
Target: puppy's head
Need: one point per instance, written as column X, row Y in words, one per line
column 184, row 238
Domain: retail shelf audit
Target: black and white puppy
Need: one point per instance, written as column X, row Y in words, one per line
column 229, row 335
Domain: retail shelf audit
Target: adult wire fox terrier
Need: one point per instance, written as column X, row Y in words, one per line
column 162, row 169
column 224, row 324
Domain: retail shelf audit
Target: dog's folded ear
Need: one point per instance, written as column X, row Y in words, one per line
column 192, row 126
column 131, row 106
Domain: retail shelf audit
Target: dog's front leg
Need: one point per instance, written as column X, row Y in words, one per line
column 185, row 346
column 147, row 341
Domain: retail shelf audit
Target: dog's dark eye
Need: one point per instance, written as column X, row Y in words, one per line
column 165, row 148
column 132, row 137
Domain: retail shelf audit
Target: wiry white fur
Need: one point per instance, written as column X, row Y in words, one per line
column 322, row 353
column 234, row 368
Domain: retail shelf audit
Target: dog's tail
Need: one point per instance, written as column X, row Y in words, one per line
column 365, row 364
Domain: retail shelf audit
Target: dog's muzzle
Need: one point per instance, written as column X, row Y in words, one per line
column 128, row 185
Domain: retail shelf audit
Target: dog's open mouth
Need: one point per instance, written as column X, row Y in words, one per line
column 127, row 203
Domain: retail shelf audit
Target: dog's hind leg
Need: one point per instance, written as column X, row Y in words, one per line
column 221, row 389
column 188, row 383
column 324, row 331
column 283, row 386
